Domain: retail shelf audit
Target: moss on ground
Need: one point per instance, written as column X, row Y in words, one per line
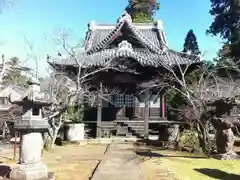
column 185, row 166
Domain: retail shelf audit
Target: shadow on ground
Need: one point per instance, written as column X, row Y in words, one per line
column 218, row 174
column 153, row 143
column 4, row 171
column 148, row 153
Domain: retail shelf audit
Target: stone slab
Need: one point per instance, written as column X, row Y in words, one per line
column 119, row 163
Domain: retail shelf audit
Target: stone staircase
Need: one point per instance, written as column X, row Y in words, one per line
column 118, row 128
column 133, row 129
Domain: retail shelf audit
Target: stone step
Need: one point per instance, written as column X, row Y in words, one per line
column 136, row 127
column 109, row 122
column 122, row 131
column 108, row 126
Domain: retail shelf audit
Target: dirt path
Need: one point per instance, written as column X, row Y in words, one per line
column 119, row 163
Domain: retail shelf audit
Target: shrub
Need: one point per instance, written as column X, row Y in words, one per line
column 211, row 144
column 75, row 114
column 189, row 141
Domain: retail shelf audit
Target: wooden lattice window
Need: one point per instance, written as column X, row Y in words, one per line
column 118, row 100
column 129, row 101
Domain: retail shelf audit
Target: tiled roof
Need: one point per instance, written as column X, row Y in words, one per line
column 99, row 36
column 96, row 53
column 32, row 96
column 145, row 58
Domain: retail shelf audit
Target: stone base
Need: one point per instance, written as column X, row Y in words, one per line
column 36, row 171
column 227, row 156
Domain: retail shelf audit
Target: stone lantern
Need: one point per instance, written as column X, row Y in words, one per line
column 31, row 126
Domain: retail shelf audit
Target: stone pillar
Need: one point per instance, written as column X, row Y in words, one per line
column 137, row 108
column 30, row 166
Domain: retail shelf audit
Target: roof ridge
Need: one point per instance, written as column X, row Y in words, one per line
column 157, row 24
column 125, row 19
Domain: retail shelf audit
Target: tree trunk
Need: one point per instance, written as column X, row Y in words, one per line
column 203, row 143
column 55, row 133
column 47, row 140
column 202, row 137
column 4, row 129
column 50, row 137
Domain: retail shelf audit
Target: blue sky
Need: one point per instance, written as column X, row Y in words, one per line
column 41, row 21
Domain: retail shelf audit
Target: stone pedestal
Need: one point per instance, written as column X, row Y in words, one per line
column 36, row 171
column 170, row 135
column 30, row 166
column 75, row 132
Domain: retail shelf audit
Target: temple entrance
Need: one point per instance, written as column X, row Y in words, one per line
column 126, row 104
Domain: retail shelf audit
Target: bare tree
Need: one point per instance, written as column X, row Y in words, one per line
column 210, row 98
column 77, row 89
column 61, row 89
column 33, row 56
column 176, row 78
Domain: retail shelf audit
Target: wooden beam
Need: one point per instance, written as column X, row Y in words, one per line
column 99, row 113
column 135, row 121
column 163, row 106
column 146, row 115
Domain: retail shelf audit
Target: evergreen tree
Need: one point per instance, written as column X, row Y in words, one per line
column 142, row 11
column 15, row 73
column 190, row 44
column 226, row 24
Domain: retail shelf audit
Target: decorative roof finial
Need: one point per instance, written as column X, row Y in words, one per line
column 91, row 25
column 165, row 49
column 189, row 52
column 200, row 57
column 125, row 17
column 125, row 46
column 159, row 24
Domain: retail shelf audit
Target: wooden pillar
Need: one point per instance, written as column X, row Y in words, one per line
column 146, row 115
column 163, row 102
column 137, row 108
column 99, row 113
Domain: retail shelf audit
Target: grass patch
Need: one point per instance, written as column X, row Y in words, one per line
column 185, row 166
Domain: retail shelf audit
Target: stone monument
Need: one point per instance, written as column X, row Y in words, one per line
column 223, row 122
column 31, row 126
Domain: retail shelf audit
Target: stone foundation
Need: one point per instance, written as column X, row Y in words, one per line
column 227, row 156
column 36, row 171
